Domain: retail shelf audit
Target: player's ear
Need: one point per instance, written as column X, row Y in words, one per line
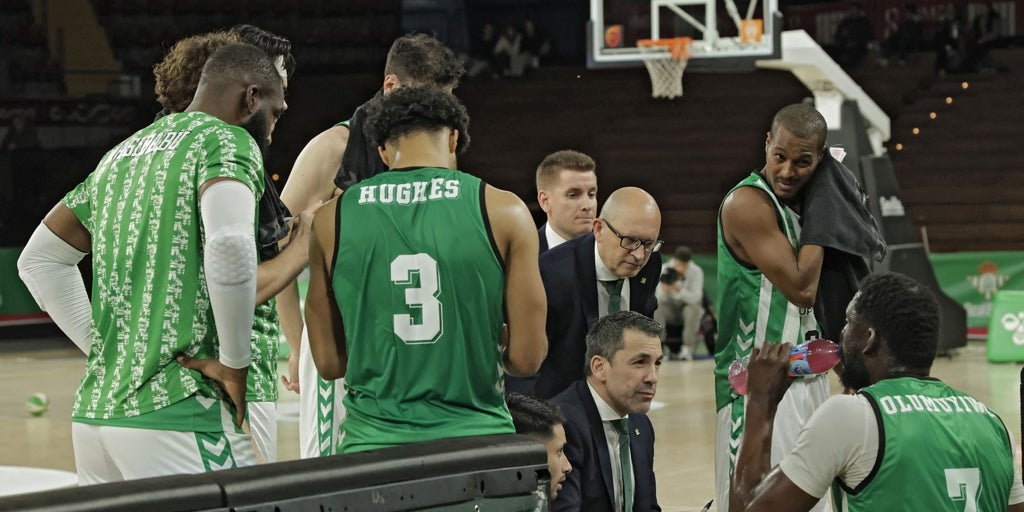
column 598, row 365
column 768, row 141
column 453, row 140
column 384, row 156
column 390, row 83
column 252, row 98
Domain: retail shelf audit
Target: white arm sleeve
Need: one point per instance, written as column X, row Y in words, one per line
column 840, row 440
column 229, row 218
column 49, row 268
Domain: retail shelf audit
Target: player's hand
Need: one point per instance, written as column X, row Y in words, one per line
column 767, row 374
column 302, row 225
column 232, row 381
column 291, row 381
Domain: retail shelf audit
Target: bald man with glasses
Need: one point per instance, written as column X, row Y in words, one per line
column 613, row 269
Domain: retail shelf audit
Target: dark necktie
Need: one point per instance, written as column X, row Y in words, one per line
column 625, row 467
column 614, row 295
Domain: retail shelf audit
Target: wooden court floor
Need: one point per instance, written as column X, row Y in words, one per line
column 684, row 414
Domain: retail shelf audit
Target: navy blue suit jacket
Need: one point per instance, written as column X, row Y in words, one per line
column 543, row 238
column 589, row 487
column 570, row 282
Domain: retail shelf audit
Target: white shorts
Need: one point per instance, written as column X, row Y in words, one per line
column 320, row 407
column 800, row 402
column 112, row 454
column 262, row 418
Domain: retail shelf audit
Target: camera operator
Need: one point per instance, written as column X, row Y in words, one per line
column 680, row 296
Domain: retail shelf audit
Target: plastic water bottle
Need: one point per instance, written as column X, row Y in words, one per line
column 813, row 357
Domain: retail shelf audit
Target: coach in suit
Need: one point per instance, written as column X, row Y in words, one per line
column 567, row 192
column 609, row 439
column 615, row 268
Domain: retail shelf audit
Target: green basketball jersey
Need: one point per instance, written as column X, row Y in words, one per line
column 420, row 287
column 150, row 301
column 266, row 339
column 939, row 450
column 751, row 309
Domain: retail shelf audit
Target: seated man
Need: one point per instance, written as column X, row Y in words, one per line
column 610, row 441
column 903, row 431
column 542, row 421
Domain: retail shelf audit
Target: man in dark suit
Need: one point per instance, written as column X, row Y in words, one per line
column 615, row 268
column 610, row 440
column 567, row 192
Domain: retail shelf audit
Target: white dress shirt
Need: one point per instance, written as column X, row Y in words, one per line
column 611, row 435
column 554, row 239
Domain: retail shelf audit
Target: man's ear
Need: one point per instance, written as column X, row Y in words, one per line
column 384, row 156
column 453, row 141
column 768, row 141
column 873, row 343
column 390, row 83
column 544, row 200
column 252, row 99
column 598, row 366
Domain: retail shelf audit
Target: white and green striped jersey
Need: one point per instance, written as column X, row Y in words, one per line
column 149, row 298
column 752, row 310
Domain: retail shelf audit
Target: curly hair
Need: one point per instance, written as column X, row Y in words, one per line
column 419, row 60
column 904, row 313
column 411, row 109
column 177, row 76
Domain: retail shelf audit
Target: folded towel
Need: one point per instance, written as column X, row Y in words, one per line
column 835, row 213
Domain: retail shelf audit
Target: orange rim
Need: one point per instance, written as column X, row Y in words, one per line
column 679, row 47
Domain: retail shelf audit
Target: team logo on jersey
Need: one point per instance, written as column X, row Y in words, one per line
column 989, row 280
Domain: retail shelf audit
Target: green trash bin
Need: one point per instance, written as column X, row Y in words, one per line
column 1006, row 327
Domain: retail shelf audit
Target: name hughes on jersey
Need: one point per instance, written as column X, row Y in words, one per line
column 409, row 193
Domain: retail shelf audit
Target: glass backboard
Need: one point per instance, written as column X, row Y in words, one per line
column 727, row 34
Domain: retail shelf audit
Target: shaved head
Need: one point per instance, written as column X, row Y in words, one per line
column 631, row 201
column 629, row 216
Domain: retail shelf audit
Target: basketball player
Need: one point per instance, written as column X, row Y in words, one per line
column 767, row 282
column 412, row 272
column 168, row 215
column 338, row 158
column 177, row 77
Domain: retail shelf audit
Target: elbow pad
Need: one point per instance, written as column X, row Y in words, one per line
column 49, row 268
column 229, row 259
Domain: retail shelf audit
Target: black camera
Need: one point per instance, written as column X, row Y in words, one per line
column 669, row 276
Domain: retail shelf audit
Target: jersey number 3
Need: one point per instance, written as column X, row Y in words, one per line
column 422, row 298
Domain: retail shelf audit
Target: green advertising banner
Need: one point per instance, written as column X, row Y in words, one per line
column 16, row 305
column 973, row 278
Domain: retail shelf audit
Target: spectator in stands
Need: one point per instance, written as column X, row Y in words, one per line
column 909, row 37
column 542, row 421
column 482, row 58
column 536, row 44
column 853, row 34
column 681, row 303
column 953, row 43
column 986, row 28
column 508, row 51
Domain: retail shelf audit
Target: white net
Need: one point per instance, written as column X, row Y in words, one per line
column 666, row 72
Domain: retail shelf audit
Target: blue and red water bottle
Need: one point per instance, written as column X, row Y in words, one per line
column 813, row 357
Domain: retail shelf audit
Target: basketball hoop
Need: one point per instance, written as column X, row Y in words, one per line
column 665, row 60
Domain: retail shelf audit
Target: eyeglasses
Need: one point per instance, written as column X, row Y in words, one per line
column 632, row 243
